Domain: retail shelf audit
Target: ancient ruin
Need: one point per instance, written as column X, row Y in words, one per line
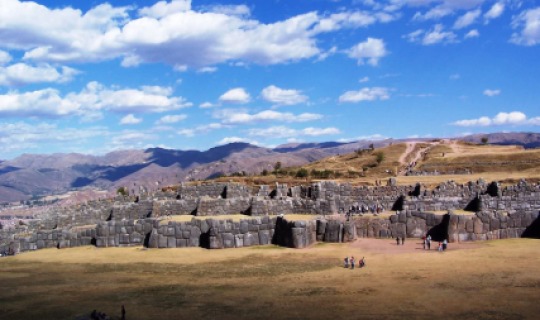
column 144, row 219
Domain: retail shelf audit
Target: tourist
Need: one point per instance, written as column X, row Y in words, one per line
column 440, row 246
column 346, row 262
column 397, row 241
column 424, row 240
column 402, row 240
column 444, row 244
column 428, row 239
column 352, row 262
column 362, row 263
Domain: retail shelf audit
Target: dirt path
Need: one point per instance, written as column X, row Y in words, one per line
column 409, row 150
column 404, row 164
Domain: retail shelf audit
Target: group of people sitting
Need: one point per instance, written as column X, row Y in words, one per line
column 350, row 262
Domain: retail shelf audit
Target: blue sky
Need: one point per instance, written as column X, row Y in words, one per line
column 93, row 77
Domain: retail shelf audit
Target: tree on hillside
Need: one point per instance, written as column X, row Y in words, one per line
column 302, row 173
column 484, row 140
column 277, row 166
column 379, row 157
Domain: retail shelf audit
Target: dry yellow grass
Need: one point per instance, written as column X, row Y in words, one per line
column 233, row 217
column 491, row 280
column 507, row 164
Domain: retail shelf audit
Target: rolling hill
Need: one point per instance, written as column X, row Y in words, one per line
column 30, row 176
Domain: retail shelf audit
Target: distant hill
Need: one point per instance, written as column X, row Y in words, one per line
column 528, row 140
column 37, row 175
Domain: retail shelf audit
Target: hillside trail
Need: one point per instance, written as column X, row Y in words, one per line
column 406, row 166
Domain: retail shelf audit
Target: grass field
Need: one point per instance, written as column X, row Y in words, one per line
column 487, row 280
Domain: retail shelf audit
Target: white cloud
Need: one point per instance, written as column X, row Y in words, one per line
column 207, row 70
column 232, row 10
column 207, row 105
column 442, row 9
column 371, row 50
column 201, row 129
column 17, row 136
column 502, row 118
column 21, row 74
column 283, row 96
column 129, row 139
column 529, row 24
column 228, row 140
column 239, row 117
column 467, row 19
column 168, row 119
column 205, row 36
column 236, row 95
column 472, row 34
column 492, row 92
column 163, row 8
column 373, row 137
column 352, row 19
column 364, row 79
column 365, row 94
column 433, row 36
column 90, row 102
column 5, row 57
column 496, row 11
column 286, row 132
column 130, row 119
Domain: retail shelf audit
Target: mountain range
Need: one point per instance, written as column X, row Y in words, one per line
column 31, row 175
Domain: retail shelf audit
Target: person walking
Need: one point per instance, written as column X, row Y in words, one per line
column 428, row 242
column 352, row 262
column 402, row 240
column 444, row 244
column 397, row 241
column 346, row 262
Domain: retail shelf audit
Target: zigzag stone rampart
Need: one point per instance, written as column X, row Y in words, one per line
column 141, row 220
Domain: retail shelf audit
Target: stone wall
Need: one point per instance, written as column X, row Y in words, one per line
column 502, row 212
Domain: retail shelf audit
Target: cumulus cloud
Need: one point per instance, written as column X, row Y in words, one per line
column 190, row 37
column 352, row 19
column 22, row 74
column 5, row 57
column 467, row 19
column 370, row 50
column 364, row 79
column 502, row 118
column 168, row 119
column 496, row 11
column 239, row 117
column 233, row 10
column 365, row 94
column 280, row 96
column 433, row 36
column 130, row 119
column 472, row 34
column 207, row 105
column 163, row 8
column 90, row 101
column 528, row 23
column 286, row 132
column 492, row 92
column 236, row 95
